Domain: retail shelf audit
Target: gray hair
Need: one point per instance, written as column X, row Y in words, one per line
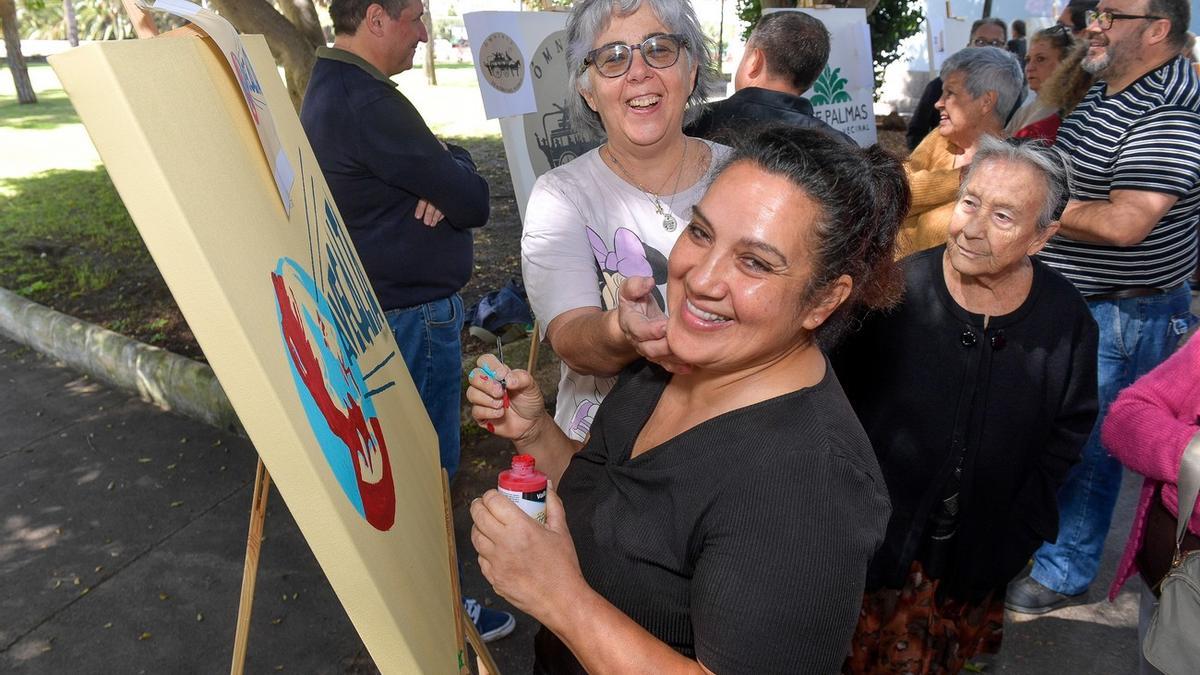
column 1050, row 163
column 590, row 17
column 989, row 69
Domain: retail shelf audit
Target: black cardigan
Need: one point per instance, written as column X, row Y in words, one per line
column 927, row 380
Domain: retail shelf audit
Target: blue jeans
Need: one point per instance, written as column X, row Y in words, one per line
column 1136, row 334
column 428, row 337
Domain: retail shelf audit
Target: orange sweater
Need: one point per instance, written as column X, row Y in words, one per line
column 934, row 183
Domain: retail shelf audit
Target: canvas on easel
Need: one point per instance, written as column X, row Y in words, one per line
column 287, row 319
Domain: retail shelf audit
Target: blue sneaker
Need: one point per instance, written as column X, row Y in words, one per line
column 492, row 624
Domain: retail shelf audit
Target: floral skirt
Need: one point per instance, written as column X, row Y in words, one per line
column 911, row 631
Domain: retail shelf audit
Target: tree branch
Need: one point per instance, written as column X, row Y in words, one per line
column 290, row 46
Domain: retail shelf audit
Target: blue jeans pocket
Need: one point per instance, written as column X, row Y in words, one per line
column 445, row 313
column 1181, row 323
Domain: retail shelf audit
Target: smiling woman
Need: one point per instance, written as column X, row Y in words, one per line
column 718, row 519
column 978, row 393
column 638, row 69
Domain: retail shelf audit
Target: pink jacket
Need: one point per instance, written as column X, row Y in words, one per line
column 1147, row 428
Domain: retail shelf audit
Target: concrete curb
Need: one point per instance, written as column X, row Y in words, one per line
column 164, row 378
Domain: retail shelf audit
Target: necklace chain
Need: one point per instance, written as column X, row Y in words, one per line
column 669, row 223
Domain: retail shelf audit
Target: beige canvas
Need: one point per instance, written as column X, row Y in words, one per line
column 284, row 313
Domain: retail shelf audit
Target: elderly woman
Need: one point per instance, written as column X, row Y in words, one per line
column 980, row 87
column 719, row 519
column 1148, row 428
column 1049, row 47
column 978, row 394
column 638, row 68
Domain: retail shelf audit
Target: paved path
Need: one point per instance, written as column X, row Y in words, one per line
column 122, row 534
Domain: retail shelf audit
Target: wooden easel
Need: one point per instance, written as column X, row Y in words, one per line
column 485, row 665
column 145, row 28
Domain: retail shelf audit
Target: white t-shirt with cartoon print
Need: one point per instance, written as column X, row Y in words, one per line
column 587, row 230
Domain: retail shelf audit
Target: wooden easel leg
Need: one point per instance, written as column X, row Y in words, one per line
column 455, row 589
column 534, row 342
column 483, row 658
column 143, row 25
column 258, row 514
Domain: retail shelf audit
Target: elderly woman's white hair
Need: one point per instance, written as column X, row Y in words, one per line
column 987, row 69
column 1051, row 164
column 590, row 17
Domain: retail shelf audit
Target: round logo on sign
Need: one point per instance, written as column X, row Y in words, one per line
column 503, row 65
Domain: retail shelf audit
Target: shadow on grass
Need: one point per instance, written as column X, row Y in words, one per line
column 52, row 110
column 64, row 231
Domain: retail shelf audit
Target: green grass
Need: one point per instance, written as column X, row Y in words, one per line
column 41, row 136
column 52, row 110
column 65, row 232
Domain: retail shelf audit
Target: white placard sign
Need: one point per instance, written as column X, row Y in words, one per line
column 844, row 94
column 542, row 135
column 504, row 46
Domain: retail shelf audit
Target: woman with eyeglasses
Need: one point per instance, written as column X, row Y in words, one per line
column 637, row 69
column 718, row 520
column 1053, row 71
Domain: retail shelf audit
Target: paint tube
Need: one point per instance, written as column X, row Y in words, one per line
column 526, row 487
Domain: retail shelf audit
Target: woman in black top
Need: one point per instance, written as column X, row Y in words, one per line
column 720, row 518
column 977, row 392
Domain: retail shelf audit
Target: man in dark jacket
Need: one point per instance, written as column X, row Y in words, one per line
column 409, row 202
column 784, row 55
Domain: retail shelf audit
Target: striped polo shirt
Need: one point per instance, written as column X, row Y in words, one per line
column 1145, row 137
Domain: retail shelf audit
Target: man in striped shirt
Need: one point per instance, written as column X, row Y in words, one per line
column 1128, row 242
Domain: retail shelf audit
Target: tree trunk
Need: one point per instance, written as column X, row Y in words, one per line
column 292, row 49
column 72, row 24
column 16, row 60
column 768, row 4
column 303, row 15
column 430, row 66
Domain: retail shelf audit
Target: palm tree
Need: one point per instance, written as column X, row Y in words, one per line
column 12, row 45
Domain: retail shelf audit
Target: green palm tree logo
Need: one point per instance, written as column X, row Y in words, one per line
column 830, row 88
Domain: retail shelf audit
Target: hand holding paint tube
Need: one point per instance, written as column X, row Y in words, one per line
column 532, row 566
column 506, row 402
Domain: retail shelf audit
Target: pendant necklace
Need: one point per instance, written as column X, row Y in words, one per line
column 669, row 223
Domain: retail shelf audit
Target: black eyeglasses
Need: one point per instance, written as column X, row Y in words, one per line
column 614, row 60
column 980, row 42
column 1105, row 19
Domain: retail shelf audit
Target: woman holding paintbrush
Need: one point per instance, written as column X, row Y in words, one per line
column 719, row 518
column 638, row 69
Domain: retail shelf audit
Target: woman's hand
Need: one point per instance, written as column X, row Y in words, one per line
column 510, row 410
column 645, row 325
column 532, row 566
